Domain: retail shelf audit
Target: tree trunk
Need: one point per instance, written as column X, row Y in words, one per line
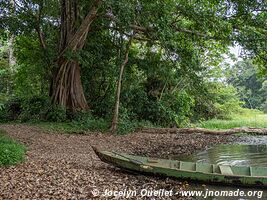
column 11, row 57
column 249, row 130
column 114, row 124
column 66, row 88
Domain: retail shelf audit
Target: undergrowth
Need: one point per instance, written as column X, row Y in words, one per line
column 11, row 151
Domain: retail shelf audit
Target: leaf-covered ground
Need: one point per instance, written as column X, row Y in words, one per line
column 61, row 166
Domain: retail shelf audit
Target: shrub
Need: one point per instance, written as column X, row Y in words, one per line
column 174, row 109
column 11, row 152
column 86, row 121
column 10, row 110
column 55, row 113
column 217, row 101
column 127, row 126
column 35, row 108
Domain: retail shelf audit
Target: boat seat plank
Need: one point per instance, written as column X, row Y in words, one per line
column 215, row 169
column 189, row 166
column 226, row 170
column 241, row 170
column 257, row 171
column 204, row 167
column 175, row 165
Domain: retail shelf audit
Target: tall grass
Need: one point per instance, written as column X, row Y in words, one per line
column 246, row 118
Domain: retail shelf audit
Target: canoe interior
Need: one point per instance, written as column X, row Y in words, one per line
column 193, row 167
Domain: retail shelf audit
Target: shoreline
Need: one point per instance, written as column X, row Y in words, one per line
column 62, row 166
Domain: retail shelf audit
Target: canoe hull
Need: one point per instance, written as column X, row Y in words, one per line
column 123, row 161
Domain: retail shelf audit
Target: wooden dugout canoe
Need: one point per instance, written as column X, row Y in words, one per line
column 202, row 172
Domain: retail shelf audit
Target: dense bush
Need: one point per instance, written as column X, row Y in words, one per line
column 226, row 101
column 217, row 101
column 36, row 108
column 86, row 121
column 177, row 108
column 171, row 109
column 10, row 110
column 172, row 72
column 127, row 126
column 11, row 152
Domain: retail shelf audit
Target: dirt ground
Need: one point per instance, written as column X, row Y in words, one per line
column 61, row 166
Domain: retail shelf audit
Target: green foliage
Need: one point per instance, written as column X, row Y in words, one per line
column 86, row 121
column 11, row 152
column 36, row 108
column 169, row 110
column 265, row 107
column 216, row 101
column 34, row 72
column 251, row 89
column 227, row 101
column 54, row 113
column 246, row 118
column 11, row 109
column 178, row 107
column 173, row 75
column 39, row 108
column 129, row 126
column 33, row 108
column 5, row 75
column 3, row 99
column 92, row 124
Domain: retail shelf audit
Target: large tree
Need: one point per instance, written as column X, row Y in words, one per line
column 67, row 88
column 182, row 31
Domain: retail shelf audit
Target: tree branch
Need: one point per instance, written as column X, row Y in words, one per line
column 192, row 32
column 83, row 30
column 38, row 28
column 115, row 118
column 135, row 37
column 150, row 29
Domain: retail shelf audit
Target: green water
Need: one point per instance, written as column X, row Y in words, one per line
column 246, row 151
column 250, row 151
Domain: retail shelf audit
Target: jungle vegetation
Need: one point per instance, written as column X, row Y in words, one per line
column 116, row 65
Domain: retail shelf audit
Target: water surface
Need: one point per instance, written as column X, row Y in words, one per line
column 248, row 151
